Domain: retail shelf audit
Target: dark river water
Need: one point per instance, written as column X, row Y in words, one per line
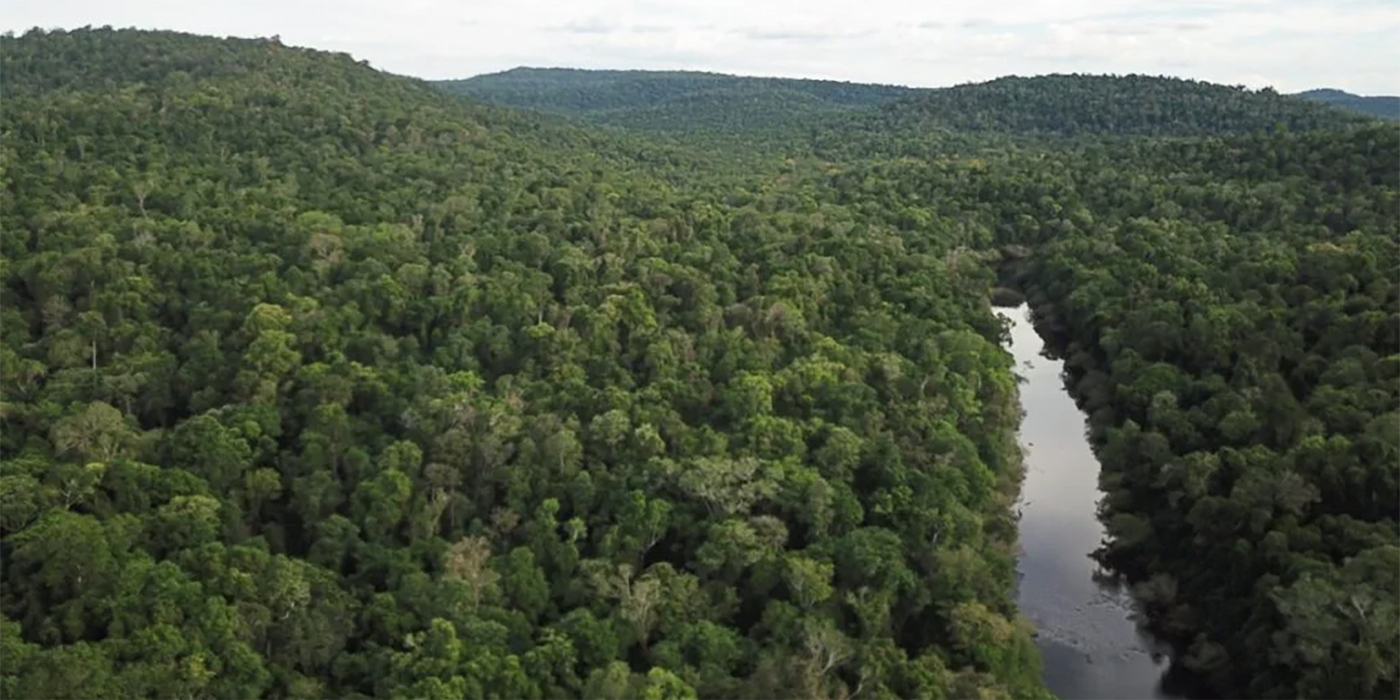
column 1090, row 643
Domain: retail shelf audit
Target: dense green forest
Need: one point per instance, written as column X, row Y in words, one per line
column 321, row 382
column 1383, row 106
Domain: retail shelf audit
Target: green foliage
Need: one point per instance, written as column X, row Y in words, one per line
column 319, row 382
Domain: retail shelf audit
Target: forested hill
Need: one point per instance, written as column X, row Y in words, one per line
column 1129, row 105
column 677, row 102
column 1383, row 106
column 588, row 92
column 318, row 383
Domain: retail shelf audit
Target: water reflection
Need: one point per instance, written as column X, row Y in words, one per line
column 1090, row 643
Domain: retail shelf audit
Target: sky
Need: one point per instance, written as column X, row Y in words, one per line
column 1290, row 45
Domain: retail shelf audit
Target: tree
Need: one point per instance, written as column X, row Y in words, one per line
column 468, row 560
column 96, row 433
column 727, row 486
column 809, row 580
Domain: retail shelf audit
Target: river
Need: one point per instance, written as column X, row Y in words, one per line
column 1091, row 645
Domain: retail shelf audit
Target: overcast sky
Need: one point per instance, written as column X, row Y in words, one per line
column 1289, row 44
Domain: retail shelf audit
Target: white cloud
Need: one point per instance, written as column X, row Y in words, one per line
column 1290, row 44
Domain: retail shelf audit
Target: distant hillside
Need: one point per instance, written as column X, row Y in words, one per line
column 1383, row 106
column 1131, row 105
column 672, row 101
column 852, row 119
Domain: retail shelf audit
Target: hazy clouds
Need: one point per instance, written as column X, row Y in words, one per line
column 1290, row 44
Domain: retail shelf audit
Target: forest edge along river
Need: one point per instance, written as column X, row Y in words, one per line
column 1087, row 634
